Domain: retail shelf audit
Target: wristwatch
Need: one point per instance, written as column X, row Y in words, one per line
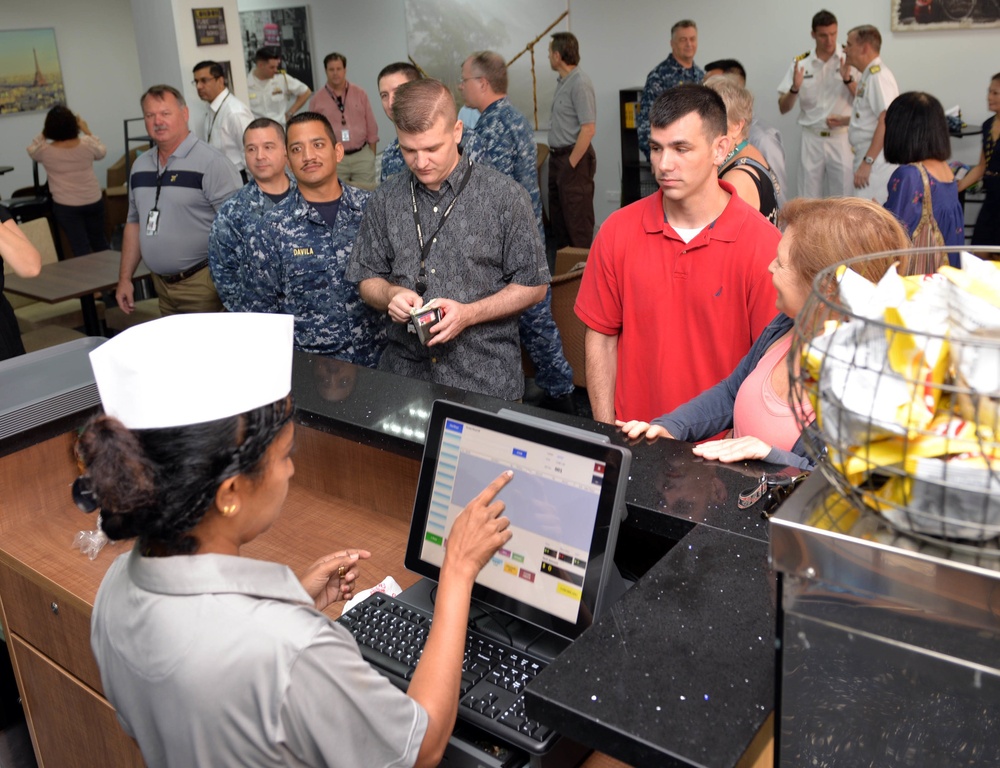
column 869, row 160
column 849, row 80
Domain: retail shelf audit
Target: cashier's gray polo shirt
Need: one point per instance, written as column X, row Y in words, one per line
column 215, row 660
column 195, row 183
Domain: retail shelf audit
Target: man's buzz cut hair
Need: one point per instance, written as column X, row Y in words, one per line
column 399, row 68
column 264, row 122
column 823, row 19
column 681, row 100
column 311, row 117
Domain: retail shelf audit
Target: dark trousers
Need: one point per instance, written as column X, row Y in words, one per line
column 83, row 225
column 571, row 198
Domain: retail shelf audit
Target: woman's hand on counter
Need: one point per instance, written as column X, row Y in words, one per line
column 733, row 449
column 635, row 429
column 331, row 578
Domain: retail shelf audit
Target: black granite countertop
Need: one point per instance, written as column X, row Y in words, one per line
column 681, row 671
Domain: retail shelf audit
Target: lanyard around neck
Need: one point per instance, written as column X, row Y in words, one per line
column 214, row 115
column 425, row 246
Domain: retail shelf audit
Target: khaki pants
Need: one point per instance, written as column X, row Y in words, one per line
column 358, row 169
column 195, row 294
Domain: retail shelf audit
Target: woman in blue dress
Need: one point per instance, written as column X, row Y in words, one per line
column 916, row 138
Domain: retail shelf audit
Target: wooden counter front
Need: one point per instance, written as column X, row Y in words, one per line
column 343, row 495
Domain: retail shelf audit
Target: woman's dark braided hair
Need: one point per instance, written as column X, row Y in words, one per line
column 157, row 484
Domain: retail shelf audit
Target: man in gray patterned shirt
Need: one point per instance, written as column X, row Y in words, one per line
column 457, row 232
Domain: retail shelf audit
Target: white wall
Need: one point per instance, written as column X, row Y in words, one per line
column 97, row 53
column 620, row 43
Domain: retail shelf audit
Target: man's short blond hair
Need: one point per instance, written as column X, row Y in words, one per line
column 739, row 101
column 419, row 103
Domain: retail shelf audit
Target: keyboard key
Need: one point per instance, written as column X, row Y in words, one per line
column 390, row 665
column 494, row 675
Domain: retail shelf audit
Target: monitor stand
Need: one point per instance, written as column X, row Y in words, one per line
column 514, row 632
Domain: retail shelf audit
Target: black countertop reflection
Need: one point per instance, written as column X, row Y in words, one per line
column 670, row 488
column 680, row 671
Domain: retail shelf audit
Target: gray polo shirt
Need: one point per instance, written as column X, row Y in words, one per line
column 223, row 661
column 194, row 184
column 573, row 105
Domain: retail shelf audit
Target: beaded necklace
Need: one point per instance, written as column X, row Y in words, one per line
column 736, row 150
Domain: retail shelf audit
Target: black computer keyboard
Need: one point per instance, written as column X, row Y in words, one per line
column 391, row 637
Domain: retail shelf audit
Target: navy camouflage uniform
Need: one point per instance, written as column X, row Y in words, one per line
column 667, row 74
column 298, row 269
column 392, row 160
column 228, row 245
column 504, row 140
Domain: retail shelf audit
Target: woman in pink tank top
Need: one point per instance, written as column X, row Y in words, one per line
column 752, row 402
column 67, row 149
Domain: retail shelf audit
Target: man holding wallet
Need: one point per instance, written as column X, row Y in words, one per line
column 455, row 232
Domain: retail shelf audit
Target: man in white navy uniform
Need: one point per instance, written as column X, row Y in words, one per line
column 816, row 83
column 273, row 92
column 875, row 91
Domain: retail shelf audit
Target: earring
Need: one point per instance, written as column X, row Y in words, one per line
column 229, row 510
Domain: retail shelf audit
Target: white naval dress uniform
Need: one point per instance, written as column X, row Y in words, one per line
column 825, row 161
column 272, row 98
column 876, row 90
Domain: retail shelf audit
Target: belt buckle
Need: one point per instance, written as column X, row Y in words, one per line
column 826, row 134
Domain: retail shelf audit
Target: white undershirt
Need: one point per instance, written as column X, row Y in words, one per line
column 687, row 235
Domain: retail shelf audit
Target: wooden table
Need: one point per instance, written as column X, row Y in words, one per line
column 76, row 278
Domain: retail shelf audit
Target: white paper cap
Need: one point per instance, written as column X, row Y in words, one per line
column 189, row 369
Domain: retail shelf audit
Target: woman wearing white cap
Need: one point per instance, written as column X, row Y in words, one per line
column 215, row 659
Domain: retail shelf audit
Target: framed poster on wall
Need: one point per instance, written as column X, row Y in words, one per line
column 283, row 28
column 921, row 15
column 210, row 26
column 30, row 76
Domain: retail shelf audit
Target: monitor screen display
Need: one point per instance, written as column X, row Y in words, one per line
column 560, row 502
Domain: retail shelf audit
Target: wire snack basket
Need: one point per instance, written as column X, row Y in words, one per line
column 904, row 382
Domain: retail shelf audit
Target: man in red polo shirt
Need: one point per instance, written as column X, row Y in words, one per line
column 676, row 287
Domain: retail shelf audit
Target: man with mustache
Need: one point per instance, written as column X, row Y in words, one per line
column 301, row 249
column 174, row 194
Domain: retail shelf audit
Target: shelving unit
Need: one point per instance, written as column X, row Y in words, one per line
column 130, row 140
column 637, row 176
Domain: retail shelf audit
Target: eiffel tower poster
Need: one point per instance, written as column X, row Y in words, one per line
column 30, row 75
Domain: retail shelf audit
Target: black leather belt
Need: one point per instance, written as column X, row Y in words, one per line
column 353, row 151
column 561, row 150
column 171, row 279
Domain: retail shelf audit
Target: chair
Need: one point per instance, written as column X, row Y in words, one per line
column 565, row 287
column 31, row 314
column 48, row 336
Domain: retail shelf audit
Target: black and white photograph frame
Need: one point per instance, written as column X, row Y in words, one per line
column 932, row 15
